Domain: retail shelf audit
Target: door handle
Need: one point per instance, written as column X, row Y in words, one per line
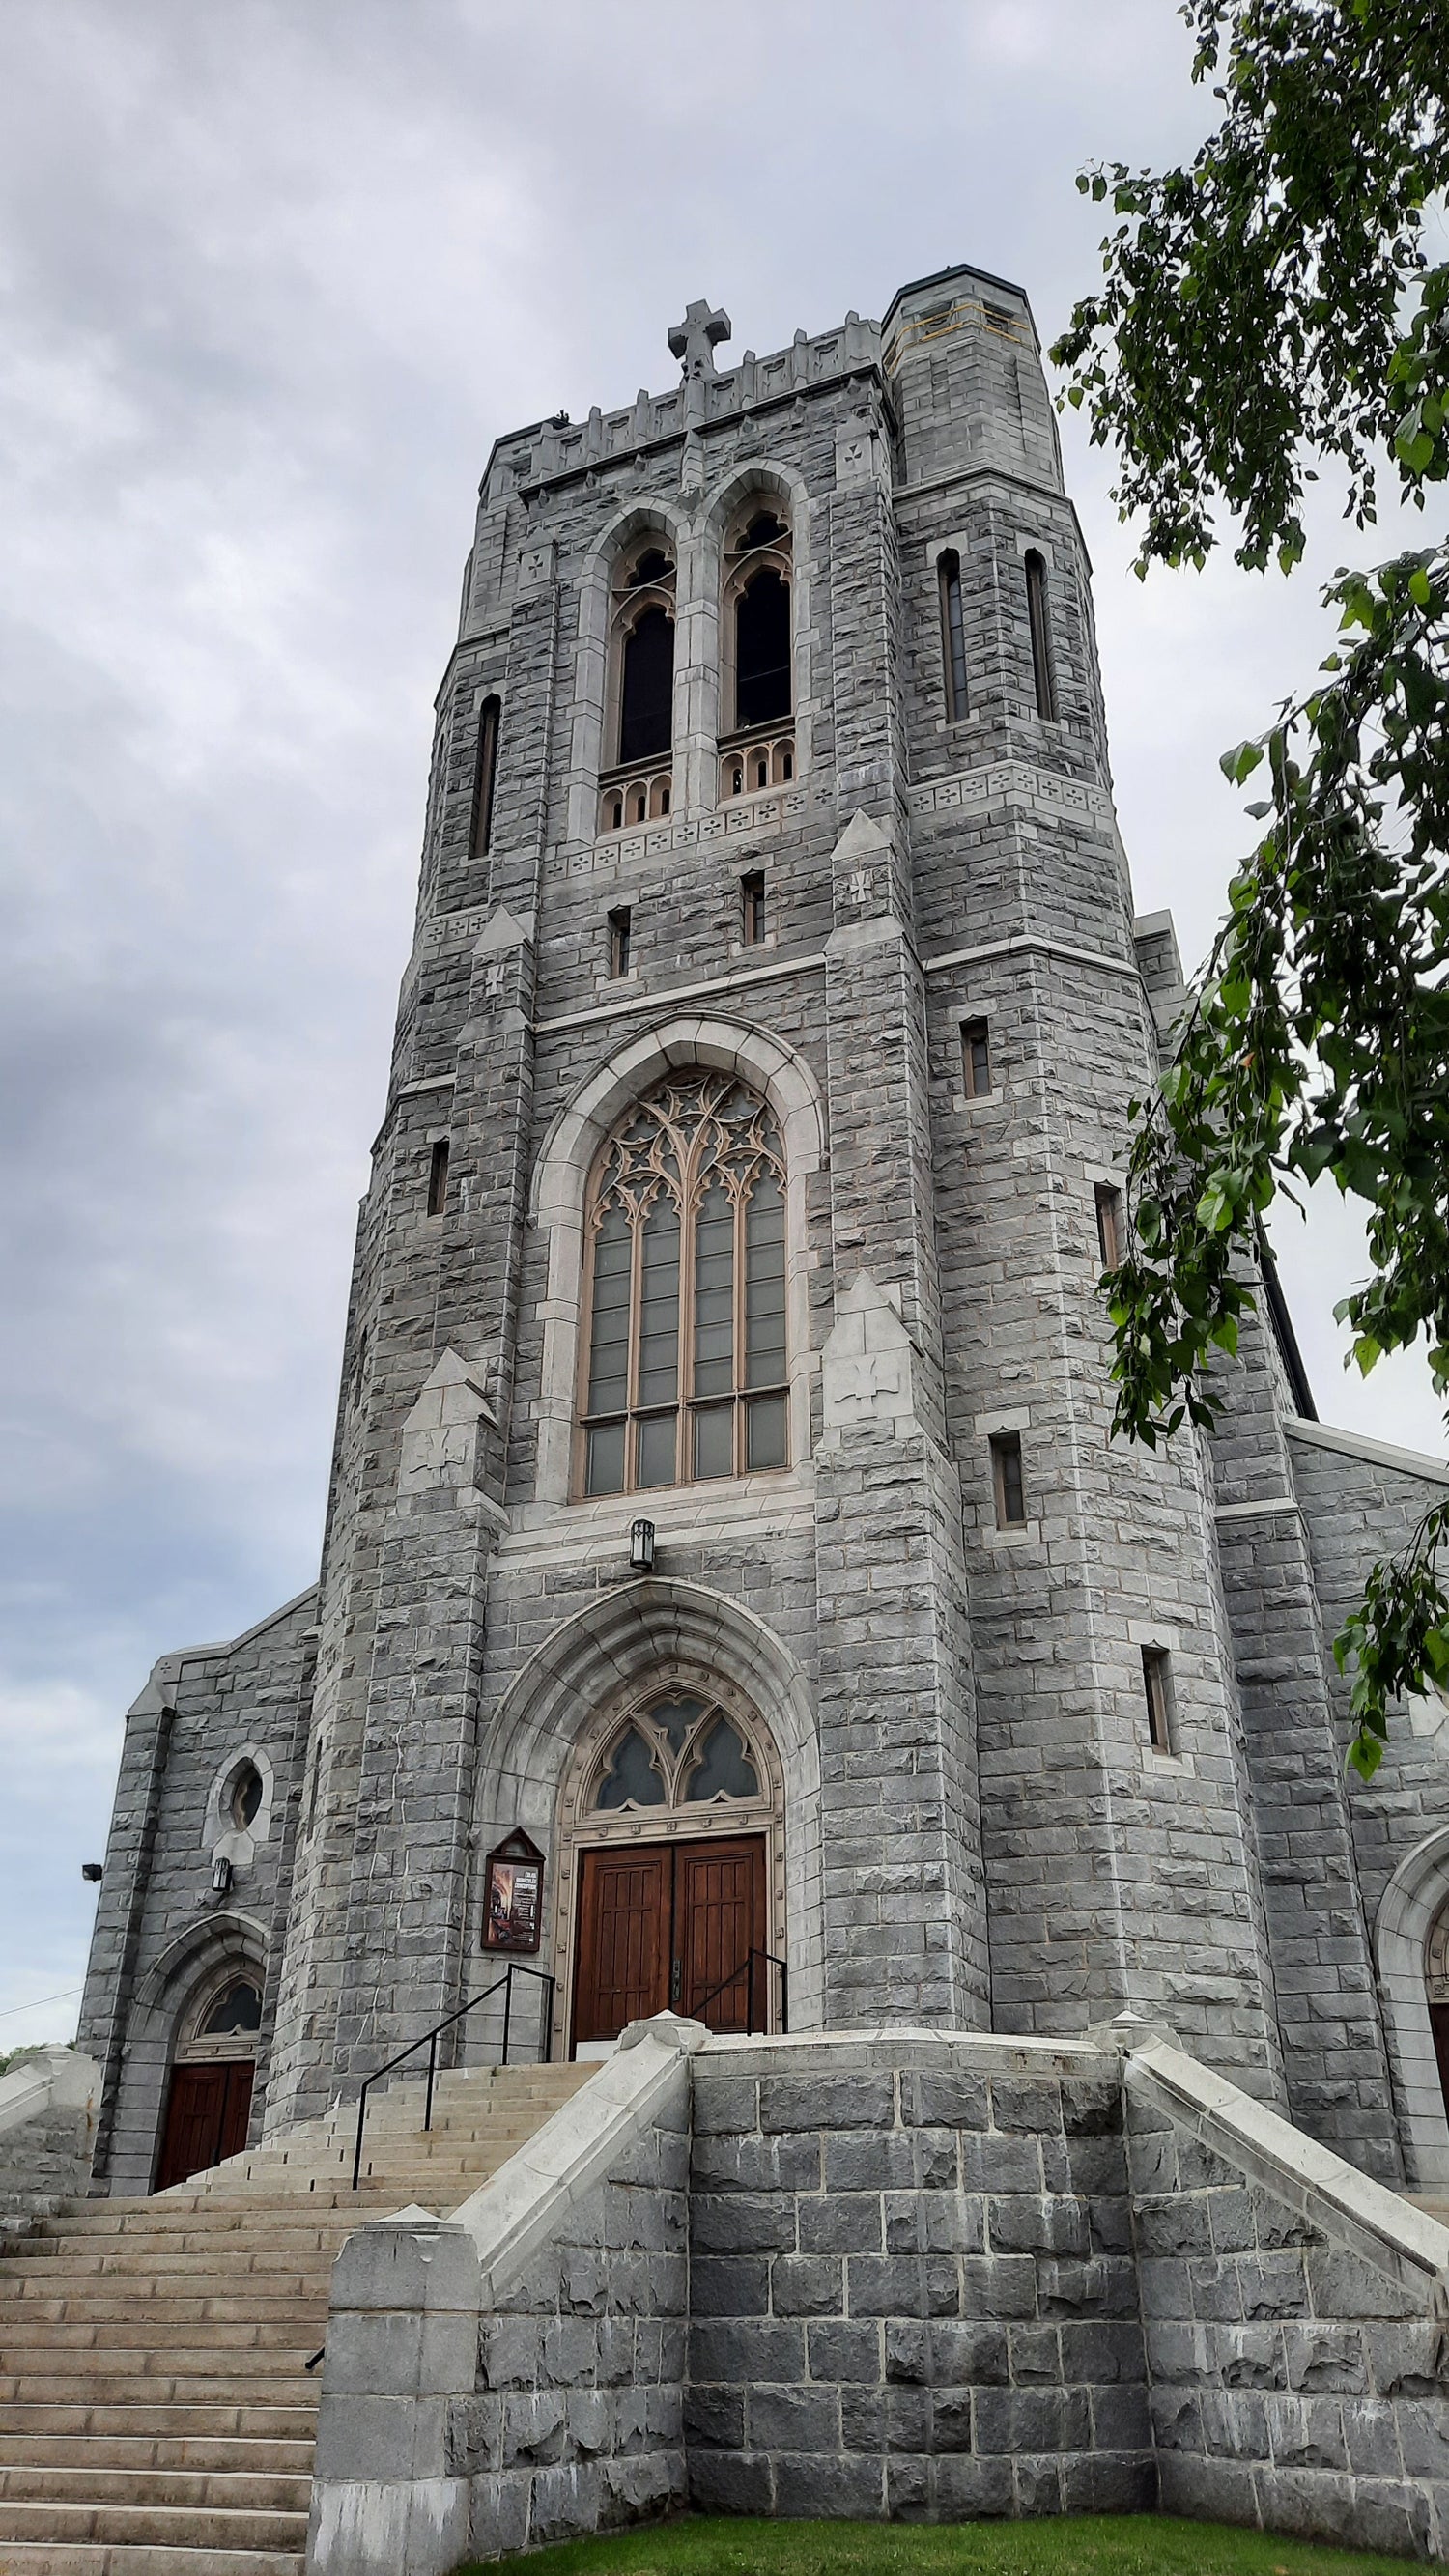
column 676, row 1980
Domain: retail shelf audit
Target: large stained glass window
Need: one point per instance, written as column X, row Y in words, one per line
column 687, row 1359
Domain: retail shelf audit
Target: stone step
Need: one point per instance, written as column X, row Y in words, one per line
column 235, row 2490
column 149, row 2349
column 112, row 2387
column 151, row 2525
column 233, row 2342
column 138, row 2416
column 228, row 2455
column 122, row 2558
column 131, row 2258
column 143, row 2304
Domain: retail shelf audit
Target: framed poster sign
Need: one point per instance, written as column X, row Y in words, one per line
column 513, row 1895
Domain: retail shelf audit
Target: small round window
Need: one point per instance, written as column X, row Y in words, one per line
column 246, row 1795
column 239, row 2008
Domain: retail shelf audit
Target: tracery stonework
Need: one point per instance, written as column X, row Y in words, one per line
column 686, row 1370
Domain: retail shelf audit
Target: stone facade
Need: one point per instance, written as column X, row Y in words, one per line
column 973, row 1829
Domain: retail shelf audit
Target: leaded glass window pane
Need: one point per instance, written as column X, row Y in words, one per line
column 240, row 2008
column 632, row 1777
column 766, row 1432
column 609, row 1348
column 658, row 1434
column 723, row 1768
column 605, row 1472
column 674, row 1718
column 765, row 1284
column 714, row 1440
column 714, row 1295
column 659, row 1306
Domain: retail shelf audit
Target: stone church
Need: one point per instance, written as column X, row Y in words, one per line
column 731, row 1600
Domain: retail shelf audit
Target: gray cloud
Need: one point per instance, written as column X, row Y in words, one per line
column 273, row 279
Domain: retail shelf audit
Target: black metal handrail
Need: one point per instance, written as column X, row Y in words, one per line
column 747, row 1968
column 429, row 2039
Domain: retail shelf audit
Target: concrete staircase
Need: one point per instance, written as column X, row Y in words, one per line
column 156, row 2412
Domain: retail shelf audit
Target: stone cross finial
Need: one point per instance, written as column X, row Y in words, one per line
column 694, row 338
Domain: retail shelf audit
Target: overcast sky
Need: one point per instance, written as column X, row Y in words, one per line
column 273, row 279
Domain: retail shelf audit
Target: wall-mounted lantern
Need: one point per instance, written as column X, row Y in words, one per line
column 641, row 1547
column 92, row 1872
column 221, row 1875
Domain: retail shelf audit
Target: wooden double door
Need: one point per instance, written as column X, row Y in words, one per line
column 206, row 2117
column 660, row 1925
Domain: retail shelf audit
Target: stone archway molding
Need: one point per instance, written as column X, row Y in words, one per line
column 226, row 1939
column 1412, row 1898
column 677, row 1633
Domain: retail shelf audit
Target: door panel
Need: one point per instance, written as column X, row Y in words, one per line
column 206, row 2118
column 720, row 1910
column 666, row 1923
column 624, row 1921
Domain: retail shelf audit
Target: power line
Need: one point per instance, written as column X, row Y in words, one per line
column 40, row 2003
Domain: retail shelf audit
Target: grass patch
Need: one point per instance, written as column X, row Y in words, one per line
column 1065, row 2545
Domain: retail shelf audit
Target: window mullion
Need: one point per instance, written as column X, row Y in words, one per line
column 738, row 1362
column 636, row 1335
column 689, row 1203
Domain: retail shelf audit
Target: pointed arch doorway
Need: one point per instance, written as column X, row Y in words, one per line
column 208, row 2108
column 673, row 1868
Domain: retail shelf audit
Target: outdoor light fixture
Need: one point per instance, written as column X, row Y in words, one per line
column 641, row 1547
column 221, row 1875
column 92, row 1872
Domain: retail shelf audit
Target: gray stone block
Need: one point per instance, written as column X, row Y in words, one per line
column 730, row 2482
column 793, row 2419
column 809, row 2488
column 827, row 2102
column 806, row 2285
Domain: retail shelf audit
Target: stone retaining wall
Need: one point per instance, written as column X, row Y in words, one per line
column 1295, row 2323
column 47, row 2134
column 889, row 2273
column 912, row 2284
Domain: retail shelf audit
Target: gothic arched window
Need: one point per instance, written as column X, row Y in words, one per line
column 758, row 680
column 640, row 722
column 685, row 1377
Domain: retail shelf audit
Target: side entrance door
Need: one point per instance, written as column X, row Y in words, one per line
column 206, row 2118
column 660, row 1925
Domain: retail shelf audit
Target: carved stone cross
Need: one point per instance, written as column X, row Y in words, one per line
column 694, row 338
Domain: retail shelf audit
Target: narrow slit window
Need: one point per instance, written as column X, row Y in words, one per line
column 438, row 1178
column 1041, row 641
column 1109, row 1224
column 485, row 770
column 1157, row 1688
column 976, row 1059
column 1008, row 1487
column 621, row 929
column 953, row 636
column 752, row 905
